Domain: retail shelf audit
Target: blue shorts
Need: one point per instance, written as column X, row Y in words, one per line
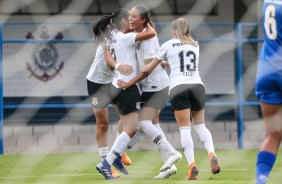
column 269, row 88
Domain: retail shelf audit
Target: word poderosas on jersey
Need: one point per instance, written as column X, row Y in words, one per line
column 181, row 44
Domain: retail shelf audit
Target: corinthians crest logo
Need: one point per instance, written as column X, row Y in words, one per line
column 46, row 64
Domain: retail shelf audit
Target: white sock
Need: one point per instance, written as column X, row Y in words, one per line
column 163, row 153
column 156, row 136
column 138, row 136
column 103, row 152
column 187, row 143
column 160, row 129
column 205, row 137
column 118, row 148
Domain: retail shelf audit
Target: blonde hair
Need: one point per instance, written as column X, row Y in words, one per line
column 182, row 31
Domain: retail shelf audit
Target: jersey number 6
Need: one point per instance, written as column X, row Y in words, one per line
column 270, row 24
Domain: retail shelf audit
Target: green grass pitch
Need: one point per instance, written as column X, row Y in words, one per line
column 237, row 166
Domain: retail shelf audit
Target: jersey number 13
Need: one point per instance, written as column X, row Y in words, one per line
column 190, row 66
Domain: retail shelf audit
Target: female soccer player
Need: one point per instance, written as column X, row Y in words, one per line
column 187, row 92
column 123, row 50
column 99, row 79
column 269, row 88
column 154, row 92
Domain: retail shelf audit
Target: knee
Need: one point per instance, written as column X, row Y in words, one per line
column 102, row 126
column 277, row 135
column 132, row 133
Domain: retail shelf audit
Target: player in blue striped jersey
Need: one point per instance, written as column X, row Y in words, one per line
column 269, row 87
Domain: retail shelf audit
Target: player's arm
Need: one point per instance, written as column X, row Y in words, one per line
column 109, row 58
column 149, row 33
column 122, row 68
column 164, row 64
column 145, row 71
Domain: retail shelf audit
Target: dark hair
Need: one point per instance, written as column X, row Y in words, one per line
column 145, row 13
column 102, row 28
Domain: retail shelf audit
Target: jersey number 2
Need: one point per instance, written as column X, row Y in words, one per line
column 192, row 65
column 270, row 24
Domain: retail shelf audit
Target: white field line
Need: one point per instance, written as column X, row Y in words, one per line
column 97, row 174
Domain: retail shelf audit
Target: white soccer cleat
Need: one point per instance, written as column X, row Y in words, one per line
column 167, row 173
column 171, row 160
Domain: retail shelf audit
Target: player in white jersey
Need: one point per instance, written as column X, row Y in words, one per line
column 99, row 79
column 187, row 92
column 154, row 94
column 127, row 101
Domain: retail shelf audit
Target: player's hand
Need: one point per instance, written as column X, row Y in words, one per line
column 125, row 69
column 122, row 84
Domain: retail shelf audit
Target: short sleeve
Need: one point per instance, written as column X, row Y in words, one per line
column 150, row 48
column 130, row 38
column 161, row 54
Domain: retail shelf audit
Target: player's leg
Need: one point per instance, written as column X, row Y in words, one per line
column 129, row 122
column 153, row 102
column 272, row 116
column 126, row 101
column 156, row 123
column 181, row 105
column 206, row 138
column 136, row 138
column 118, row 148
column 172, row 170
column 145, row 123
column 102, row 125
column 184, row 124
column 125, row 158
column 101, row 97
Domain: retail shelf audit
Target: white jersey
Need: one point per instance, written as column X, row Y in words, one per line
column 183, row 60
column 99, row 71
column 123, row 51
column 158, row 79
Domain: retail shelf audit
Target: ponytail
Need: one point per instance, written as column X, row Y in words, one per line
column 152, row 24
column 182, row 30
column 102, row 29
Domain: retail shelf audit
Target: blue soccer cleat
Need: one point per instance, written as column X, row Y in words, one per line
column 119, row 165
column 105, row 169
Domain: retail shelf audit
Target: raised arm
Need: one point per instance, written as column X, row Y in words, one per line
column 149, row 33
column 109, row 58
column 145, row 71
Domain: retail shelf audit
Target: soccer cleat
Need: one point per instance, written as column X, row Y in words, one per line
column 105, row 169
column 167, row 173
column 119, row 165
column 193, row 172
column 171, row 160
column 214, row 162
column 115, row 174
column 125, row 159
